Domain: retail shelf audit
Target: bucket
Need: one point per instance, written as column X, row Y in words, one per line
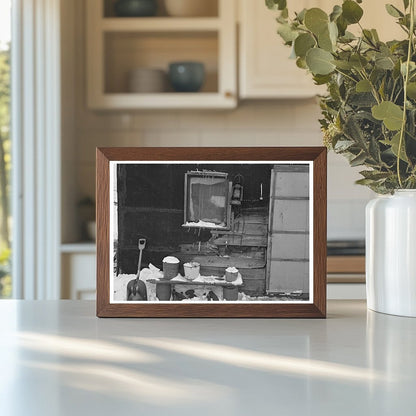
column 191, row 270
column 170, row 267
column 230, row 292
column 163, row 292
column 231, row 274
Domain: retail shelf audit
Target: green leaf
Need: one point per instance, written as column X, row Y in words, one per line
column 336, row 12
column 320, row 61
column 287, row 33
column 325, row 42
column 358, row 61
column 301, row 15
column 375, row 35
column 347, row 37
column 384, row 62
column 368, row 36
column 388, row 112
column 301, row 63
column 394, row 145
column 363, row 86
column 333, row 32
column 358, row 160
column 393, row 11
column 303, row 43
column 411, row 90
column 412, row 67
column 321, row 79
column 343, row 145
column 374, row 175
column 344, row 65
column 342, row 25
column 276, row 4
column 406, row 4
column 351, row 11
column 316, row 20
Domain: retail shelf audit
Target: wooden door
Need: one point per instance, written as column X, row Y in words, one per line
column 288, row 238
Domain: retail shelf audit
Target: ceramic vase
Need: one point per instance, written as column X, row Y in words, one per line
column 391, row 253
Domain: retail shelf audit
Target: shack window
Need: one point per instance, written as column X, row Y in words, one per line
column 207, row 199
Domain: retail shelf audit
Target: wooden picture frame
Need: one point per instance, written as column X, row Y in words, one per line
column 112, row 161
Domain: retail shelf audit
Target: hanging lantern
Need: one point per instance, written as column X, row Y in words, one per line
column 237, row 194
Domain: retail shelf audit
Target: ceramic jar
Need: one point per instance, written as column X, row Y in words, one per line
column 186, row 76
column 135, row 8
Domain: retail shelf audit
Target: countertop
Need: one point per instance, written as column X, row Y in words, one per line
column 57, row 358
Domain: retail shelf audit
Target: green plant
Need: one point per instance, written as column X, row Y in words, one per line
column 369, row 113
column 5, row 279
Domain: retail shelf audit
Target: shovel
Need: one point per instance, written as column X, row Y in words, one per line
column 136, row 288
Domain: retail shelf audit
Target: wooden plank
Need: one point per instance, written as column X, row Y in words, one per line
column 224, row 262
column 242, row 240
column 250, row 228
column 346, row 264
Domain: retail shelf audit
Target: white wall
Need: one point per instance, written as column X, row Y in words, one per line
column 256, row 123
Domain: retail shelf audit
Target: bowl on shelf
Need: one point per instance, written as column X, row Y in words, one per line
column 191, row 8
column 147, row 80
column 135, row 8
column 186, row 76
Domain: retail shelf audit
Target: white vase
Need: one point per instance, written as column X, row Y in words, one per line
column 391, row 253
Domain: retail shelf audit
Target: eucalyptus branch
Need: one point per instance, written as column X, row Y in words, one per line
column 406, row 80
column 373, row 88
column 346, row 75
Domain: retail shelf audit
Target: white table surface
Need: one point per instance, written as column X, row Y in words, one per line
column 57, row 358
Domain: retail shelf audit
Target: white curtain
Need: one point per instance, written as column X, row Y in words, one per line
column 36, row 137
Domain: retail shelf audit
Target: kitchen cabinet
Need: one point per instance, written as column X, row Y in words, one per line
column 265, row 69
column 118, row 45
column 78, row 263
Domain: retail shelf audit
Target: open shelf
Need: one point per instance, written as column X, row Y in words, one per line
column 116, row 46
column 126, row 51
column 160, row 24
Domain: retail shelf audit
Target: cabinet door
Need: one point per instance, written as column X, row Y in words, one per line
column 265, row 68
column 266, row 71
column 78, row 276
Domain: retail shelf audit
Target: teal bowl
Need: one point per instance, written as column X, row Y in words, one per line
column 135, row 8
column 187, row 76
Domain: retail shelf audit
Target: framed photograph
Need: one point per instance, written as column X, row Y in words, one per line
column 211, row 232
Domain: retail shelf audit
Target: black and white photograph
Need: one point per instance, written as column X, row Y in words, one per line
column 211, row 232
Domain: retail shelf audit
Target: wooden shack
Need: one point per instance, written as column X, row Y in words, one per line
column 152, row 204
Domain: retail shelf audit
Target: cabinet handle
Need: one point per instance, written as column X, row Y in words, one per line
column 229, row 94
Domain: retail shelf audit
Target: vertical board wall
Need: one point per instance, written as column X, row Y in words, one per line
column 288, row 250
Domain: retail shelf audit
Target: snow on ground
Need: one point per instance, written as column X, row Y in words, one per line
column 201, row 292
